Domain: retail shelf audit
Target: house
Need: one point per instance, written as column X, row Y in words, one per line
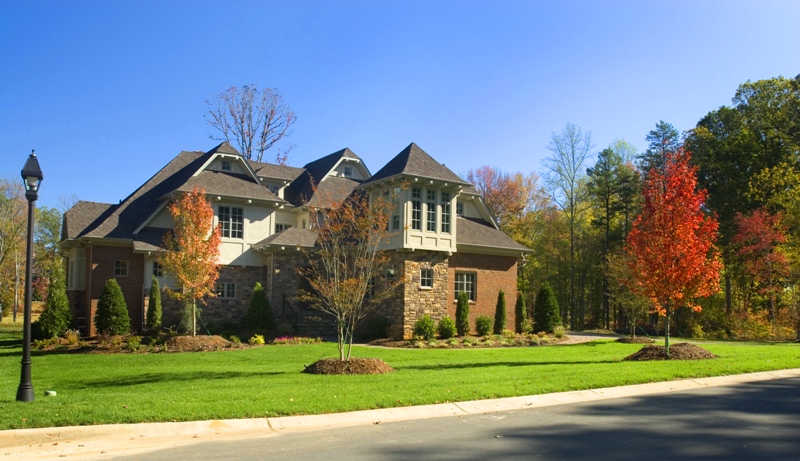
column 444, row 238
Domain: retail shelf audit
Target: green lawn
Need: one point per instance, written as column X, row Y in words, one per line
column 266, row 381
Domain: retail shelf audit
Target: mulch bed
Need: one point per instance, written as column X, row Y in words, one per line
column 636, row 340
column 680, row 351
column 354, row 366
column 197, row 343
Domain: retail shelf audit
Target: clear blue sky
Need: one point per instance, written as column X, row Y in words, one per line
column 107, row 92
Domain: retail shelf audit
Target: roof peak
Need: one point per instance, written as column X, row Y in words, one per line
column 224, row 148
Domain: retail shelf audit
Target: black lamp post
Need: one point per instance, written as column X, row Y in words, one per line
column 32, row 176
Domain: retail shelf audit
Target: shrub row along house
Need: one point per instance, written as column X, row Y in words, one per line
column 444, row 239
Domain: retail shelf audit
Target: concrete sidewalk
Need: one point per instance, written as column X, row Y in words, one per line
column 109, row 441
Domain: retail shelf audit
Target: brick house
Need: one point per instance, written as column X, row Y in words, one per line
column 444, row 240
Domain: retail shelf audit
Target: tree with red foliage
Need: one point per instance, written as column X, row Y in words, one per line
column 671, row 243
column 192, row 252
column 759, row 238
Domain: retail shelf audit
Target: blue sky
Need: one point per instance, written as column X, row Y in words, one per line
column 107, row 92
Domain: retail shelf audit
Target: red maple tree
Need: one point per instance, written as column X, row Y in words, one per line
column 759, row 238
column 671, row 243
column 192, row 251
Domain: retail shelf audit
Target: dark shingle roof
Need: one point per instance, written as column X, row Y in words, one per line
column 273, row 171
column 302, row 189
column 82, row 216
column 228, row 184
column 332, row 190
column 224, row 148
column 480, row 233
column 414, row 161
column 291, row 237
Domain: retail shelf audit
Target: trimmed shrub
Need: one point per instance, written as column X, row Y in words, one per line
column 154, row 306
column 483, row 325
column 545, row 313
column 112, row 317
column 256, row 340
column 520, row 314
column 500, row 313
column 462, row 314
column 446, row 328
column 424, row 328
column 56, row 318
column 259, row 315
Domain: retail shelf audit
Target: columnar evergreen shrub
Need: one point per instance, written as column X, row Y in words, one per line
column 545, row 313
column 259, row 315
column 462, row 314
column 483, row 325
column 112, row 316
column 500, row 313
column 154, row 306
column 446, row 328
column 56, row 318
column 520, row 313
column 425, row 328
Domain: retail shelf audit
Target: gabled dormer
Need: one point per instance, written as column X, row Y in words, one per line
column 424, row 196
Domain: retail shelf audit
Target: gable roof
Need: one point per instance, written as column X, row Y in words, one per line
column 83, row 215
column 275, row 171
column 224, row 148
column 228, row 184
column 413, row 161
column 291, row 237
column 313, row 180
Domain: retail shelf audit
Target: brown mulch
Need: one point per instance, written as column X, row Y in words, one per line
column 354, row 366
column 680, row 351
column 197, row 343
column 636, row 340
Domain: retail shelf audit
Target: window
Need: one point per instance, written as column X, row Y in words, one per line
column 426, row 278
column 416, row 208
column 431, row 226
column 460, row 208
column 348, row 172
column 274, row 189
column 396, row 207
column 231, row 219
column 446, row 212
column 370, row 293
column 121, row 268
column 390, row 276
column 226, row 290
column 465, row 281
column 226, row 165
column 281, row 227
column 158, row 270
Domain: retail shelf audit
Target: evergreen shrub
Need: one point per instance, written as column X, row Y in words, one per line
column 500, row 313
column 112, row 316
column 462, row 314
column 483, row 325
column 424, row 328
column 446, row 328
column 546, row 313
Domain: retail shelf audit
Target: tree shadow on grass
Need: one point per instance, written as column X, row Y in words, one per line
column 448, row 366
column 173, row 377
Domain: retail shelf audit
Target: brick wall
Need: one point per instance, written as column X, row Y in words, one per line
column 101, row 269
column 493, row 273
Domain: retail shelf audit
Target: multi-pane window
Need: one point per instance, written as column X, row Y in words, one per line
column 426, row 278
column 416, row 208
column 226, row 166
column 231, row 220
column 396, row 207
column 446, row 212
column 274, row 189
column 370, row 293
column 460, row 208
column 281, row 227
column 348, row 172
column 158, row 270
column 431, row 204
column 465, row 281
column 225, row 290
column 121, row 268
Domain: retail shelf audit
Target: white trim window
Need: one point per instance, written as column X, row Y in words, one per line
column 445, row 212
column 426, row 278
column 120, row 268
column 158, row 269
column 281, row 227
column 231, row 220
column 431, row 204
column 416, row 208
column 466, row 281
column 225, row 290
column 226, row 166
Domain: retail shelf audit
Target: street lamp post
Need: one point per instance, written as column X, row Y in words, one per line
column 32, row 176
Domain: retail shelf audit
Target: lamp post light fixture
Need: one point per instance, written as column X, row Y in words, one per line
column 32, row 176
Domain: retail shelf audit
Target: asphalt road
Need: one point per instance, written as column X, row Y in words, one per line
column 753, row 421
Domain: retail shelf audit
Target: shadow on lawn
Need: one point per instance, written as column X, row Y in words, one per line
column 165, row 377
column 457, row 366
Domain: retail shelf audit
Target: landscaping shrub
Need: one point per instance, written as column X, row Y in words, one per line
column 56, row 317
column 72, row 337
column 112, row 316
column 154, row 306
column 256, row 340
column 545, row 312
column 483, row 325
column 500, row 313
column 424, row 328
column 462, row 314
column 559, row 331
column 520, row 314
column 446, row 328
column 259, row 314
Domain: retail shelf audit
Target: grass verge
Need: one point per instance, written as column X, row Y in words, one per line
column 266, row 381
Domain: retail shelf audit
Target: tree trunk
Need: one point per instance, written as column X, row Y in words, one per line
column 666, row 331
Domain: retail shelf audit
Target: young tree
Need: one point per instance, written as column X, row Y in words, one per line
column 192, row 252
column 500, row 313
column 254, row 119
column 13, row 219
column 462, row 314
column 259, row 315
column 672, row 241
column 154, row 306
column 545, row 310
column 111, row 316
column 345, row 267
column 56, row 318
column 759, row 240
column 570, row 152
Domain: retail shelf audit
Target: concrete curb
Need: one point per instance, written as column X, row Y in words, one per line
column 95, row 442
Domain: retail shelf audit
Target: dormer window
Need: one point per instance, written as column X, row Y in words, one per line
column 348, row 172
column 226, row 165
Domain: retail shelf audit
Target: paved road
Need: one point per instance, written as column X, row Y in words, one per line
column 751, row 421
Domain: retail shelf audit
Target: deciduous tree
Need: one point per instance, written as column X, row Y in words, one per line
column 672, row 241
column 192, row 252
column 253, row 119
column 13, row 219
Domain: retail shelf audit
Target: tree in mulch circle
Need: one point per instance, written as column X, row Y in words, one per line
column 500, row 313
column 112, row 316
column 545, row 312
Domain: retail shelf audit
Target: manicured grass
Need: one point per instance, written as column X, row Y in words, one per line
column 266, row 381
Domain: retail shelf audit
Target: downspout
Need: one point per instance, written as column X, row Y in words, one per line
column 88, row 289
